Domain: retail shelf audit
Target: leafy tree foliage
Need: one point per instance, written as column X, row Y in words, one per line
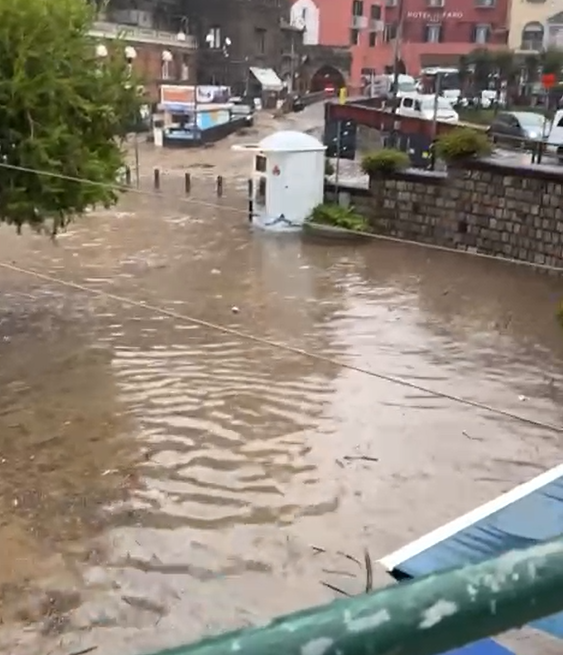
column 63, row 111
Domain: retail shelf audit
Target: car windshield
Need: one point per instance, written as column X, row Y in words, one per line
column 407, row 87
column 428, row 104
column 531, row 120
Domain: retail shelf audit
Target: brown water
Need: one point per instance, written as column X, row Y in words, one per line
column 162, row 480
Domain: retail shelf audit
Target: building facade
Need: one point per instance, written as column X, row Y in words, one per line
column 434, row 32
column 535, row 25
column 157, row 44
column 236, row 36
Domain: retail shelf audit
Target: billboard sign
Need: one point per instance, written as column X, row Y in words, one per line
column 182, row 97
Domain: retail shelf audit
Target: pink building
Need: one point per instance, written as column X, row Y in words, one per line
column 435, row 32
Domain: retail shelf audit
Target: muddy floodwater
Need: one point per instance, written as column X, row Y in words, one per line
column 161, row 479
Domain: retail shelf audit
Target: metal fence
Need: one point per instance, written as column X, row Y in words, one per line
column 428, row 616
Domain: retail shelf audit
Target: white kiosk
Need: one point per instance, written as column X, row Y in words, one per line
column 287, row 180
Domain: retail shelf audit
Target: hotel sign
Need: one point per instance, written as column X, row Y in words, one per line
column 431, row 17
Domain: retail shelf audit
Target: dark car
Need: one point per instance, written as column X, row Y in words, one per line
column 242, row 109
column 298, row 104
column 519, row 128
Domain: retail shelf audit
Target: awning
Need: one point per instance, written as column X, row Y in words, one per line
column 268, row 78
column 529, row 514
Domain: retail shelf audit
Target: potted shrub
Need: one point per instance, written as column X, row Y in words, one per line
column 461, row 144
column 381, row 163
column 335, row 221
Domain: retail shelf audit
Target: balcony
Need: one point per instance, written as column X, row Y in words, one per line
column 107, row 30
column 376, row 25
column 359, row 22
column 532, row 45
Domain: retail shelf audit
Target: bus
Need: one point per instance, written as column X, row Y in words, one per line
column 449, row 82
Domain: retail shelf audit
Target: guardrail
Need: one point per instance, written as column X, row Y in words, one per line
column 428, row 616
column 312, row 98
column 106, row 30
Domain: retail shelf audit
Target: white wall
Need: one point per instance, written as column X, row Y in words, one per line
column 306, row 12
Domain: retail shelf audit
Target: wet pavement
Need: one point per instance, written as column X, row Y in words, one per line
column 161, row 479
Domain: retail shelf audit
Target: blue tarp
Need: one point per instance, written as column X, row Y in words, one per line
column 530, row 514
column 483, row 647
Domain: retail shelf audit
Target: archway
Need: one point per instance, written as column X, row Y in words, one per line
column 532, row 36
column 326, row 77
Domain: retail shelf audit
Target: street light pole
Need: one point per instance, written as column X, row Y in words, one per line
column 397, row 47
column 292, row 62
column 396, row 60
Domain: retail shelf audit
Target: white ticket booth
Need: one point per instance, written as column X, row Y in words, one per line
column 287, row 180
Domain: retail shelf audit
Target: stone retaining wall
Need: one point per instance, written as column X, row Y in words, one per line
column 487, row 207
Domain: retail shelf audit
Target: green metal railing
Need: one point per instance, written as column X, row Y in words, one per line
column 428, row 616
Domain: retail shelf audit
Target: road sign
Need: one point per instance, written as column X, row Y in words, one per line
column 548, row 80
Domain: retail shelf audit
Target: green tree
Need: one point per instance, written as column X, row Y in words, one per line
column 481, row 61
column 552, row 62
column 531, row 67
column 63, row 111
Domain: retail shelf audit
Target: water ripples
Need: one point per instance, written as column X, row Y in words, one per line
column 227, row 440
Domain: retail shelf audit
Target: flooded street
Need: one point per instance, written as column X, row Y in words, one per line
column 162, row 479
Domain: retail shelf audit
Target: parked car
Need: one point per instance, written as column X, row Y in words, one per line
column 555, row 136
column 298, row 104
column 423, row 106
column 519, row 128
column 242, row 109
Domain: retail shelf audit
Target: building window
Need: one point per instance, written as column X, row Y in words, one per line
column 260, row 40
column 433, row 33
column 481, row 33
column 185, row 68
column 391, row 3
column 390, row 32
column 213, row 38
column 357, row 8
column 486, row 4
column 533, row 36
column 435, row 3
column 372, row 39
column 354, row 36
column 375, row 12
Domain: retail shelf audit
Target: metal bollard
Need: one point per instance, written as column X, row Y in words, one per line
column 219, row 186
column 127, row 176
column 187, row 183
column 157, row 179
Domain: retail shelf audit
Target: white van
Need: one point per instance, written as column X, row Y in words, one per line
column 383, row 85
column 555, row 136
column 423, row 106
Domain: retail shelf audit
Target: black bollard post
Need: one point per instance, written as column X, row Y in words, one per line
column 157, row 179
column 127, row 176
column 187, row 183
column 219, row 186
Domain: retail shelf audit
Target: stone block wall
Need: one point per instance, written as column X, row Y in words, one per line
column 486, row 207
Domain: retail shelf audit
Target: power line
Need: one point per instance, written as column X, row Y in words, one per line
column 214, row 205
column 114, row 186
column 250, row 337
column 280, row 346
